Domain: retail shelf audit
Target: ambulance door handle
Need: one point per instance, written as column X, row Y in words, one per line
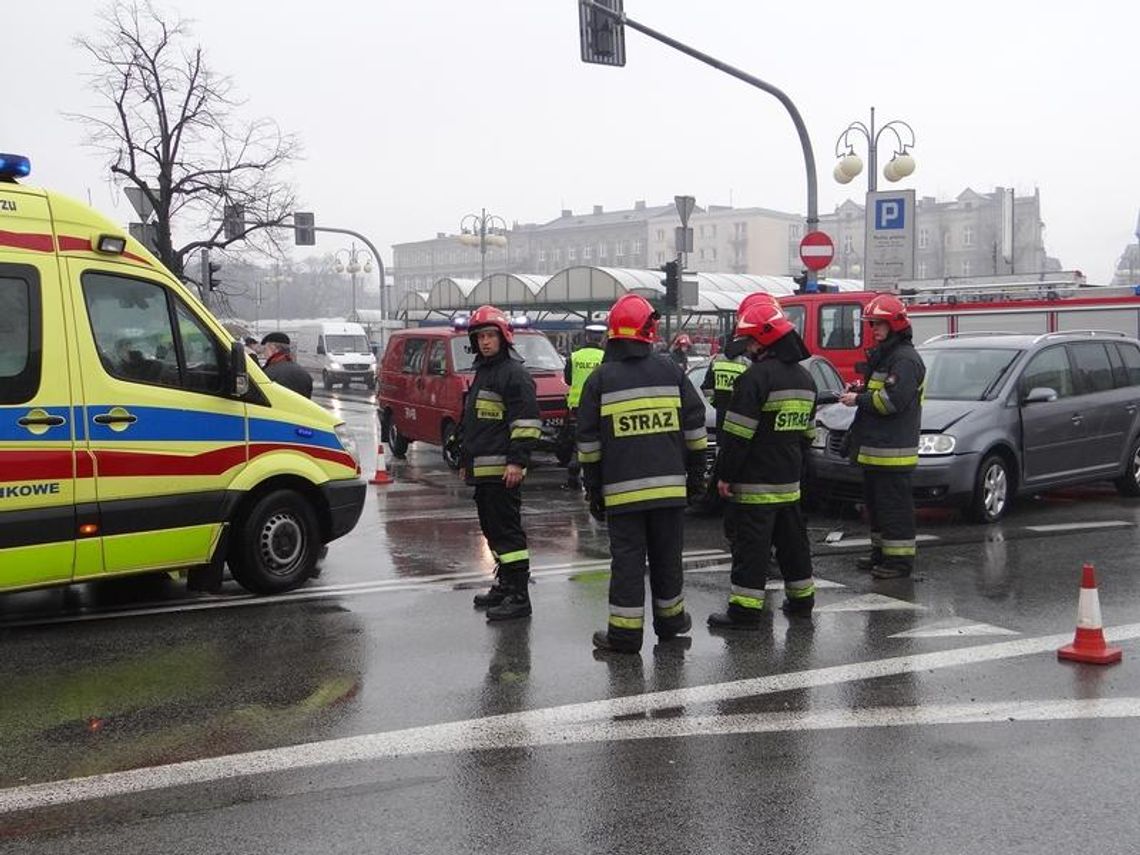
column 115, row 419
column 45, row 421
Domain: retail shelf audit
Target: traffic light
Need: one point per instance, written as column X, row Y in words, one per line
column 801, row 280
column 233, row 221
column 672, row 283
column 209, row 272
column 303, row 232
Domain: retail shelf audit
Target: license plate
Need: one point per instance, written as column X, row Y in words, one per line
column 553, row 422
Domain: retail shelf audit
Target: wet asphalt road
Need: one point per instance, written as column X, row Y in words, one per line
column 375, row 711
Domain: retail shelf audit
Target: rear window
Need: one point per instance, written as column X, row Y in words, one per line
column 1130, row 355
column 840, row 327
column 1093, row 367
column 414, row 349
column 536, row 350
column 795, row 314
column 20, row 333
column 961, row 374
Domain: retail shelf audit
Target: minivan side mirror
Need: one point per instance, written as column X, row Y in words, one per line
column 320, row 349
column 237, row 381
column 1040, row 395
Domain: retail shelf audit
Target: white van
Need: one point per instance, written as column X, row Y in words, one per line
column 339, row 351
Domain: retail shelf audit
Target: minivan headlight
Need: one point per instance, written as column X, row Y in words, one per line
column 335, row 366
column 936, row 443
column 347, row 441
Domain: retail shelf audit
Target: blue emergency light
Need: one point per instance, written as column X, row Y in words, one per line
column 14, row 166
column 520, row 322
column 460, row 322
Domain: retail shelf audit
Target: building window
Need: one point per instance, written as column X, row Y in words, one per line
column 587, row 252
column 968, row 236
column 619, row 249
column 946, row 242
column 556, row 256
column 923, row 240
column 713, row 251
column 702, row 253
column 848, row 245
column 571, row 253
column 965, row 267
column 601, row 250
column 637, row 247
column 661, row 234
column 542, row 256
column 713, row 227
column 660, row 258
column 922, row 270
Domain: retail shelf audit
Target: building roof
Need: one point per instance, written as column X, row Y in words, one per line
column 606, row 218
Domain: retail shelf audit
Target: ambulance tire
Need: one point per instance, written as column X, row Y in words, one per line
column 278, row 543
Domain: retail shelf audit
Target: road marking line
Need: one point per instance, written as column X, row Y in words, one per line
column 498, row 731
column 866, row 541
column 870, row 603
column 1080, row 526
column 954, row 628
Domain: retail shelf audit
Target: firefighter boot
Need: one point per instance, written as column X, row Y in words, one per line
column 798, row 606
column 736, row 617
column 516, row 601
column 493, row 595
column 671, row 627
column 618, row 640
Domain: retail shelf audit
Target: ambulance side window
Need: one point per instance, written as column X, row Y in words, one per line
column 21, row 333
column 144, row 334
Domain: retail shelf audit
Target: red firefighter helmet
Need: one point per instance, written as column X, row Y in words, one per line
column 764, row 324
column 489, row 316
column 633, row 317
column 682, row 340
column 756, row 298
column 887, row 307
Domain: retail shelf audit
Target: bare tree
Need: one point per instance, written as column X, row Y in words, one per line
column 168, row 126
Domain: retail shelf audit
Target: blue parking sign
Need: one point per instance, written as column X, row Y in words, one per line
column 890, row 213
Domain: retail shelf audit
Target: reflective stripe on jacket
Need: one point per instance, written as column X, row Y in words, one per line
column 721, row 379
column 889, row 416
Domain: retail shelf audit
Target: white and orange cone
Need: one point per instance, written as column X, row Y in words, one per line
column 381, row 476
column 1089, row 645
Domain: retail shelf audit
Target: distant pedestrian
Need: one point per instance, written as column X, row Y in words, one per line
column 682, row 344
column 641, row 440
column 883, row 437
column 280, row 367
column 767, row 429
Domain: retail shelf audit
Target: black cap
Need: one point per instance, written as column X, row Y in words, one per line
column 275, row 338
column 250, row 340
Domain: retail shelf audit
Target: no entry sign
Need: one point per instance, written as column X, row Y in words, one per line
column 816, row 250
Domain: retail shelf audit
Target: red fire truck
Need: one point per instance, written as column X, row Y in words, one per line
column 831, row 327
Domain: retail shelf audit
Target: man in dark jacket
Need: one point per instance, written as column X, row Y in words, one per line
column 500, row 428
column 641, row 441
column 884, row 436
column 769, row 424
column 280, row 367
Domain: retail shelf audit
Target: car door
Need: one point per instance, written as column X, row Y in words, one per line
column 1126, row 368
column 1052, row 432
column 1108, row 422
column 434, row 391
column 407, row 415
column 166, row 440
column 38, row 465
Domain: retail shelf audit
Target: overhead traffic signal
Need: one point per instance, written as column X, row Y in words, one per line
column 672, row 283
column 210, row 270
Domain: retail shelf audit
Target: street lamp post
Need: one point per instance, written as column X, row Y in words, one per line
column 278, row 278
column 481, row 230
column 353, row 266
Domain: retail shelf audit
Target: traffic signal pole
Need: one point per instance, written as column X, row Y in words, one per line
column 797, row 120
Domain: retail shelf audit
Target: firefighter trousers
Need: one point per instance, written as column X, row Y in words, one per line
column 500, row 518
column 890, row 504
column 755, row 530
column 656, row 535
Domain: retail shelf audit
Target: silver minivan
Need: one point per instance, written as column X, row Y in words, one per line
column 1006, row 414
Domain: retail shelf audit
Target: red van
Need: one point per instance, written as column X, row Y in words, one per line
column 424, row 376
column 830, row 325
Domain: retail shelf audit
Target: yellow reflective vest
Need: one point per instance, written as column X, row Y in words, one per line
column 583, row 361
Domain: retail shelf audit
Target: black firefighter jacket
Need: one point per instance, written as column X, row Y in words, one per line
column 888, row 417
column 641, row 430
column 500, row 418
column 768, row 426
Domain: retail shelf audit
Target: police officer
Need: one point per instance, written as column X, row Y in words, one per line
column 767, row 428
column 884, row 436
column 280, row 367
column 579, row 366
column 500, row 427
column 641, row 440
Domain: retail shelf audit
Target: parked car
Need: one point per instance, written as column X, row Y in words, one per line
column 828, row 384
column 424, row 376
column 1007, row 414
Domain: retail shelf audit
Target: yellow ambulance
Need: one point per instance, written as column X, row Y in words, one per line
column 134, row 435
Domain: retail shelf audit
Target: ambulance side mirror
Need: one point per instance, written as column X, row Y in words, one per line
column 237, row 380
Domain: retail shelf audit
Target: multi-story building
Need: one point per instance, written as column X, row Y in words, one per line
column 728, row 240
column 417, row 265
column 1128, row 266
column 961, row 237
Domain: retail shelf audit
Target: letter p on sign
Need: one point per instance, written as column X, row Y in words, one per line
column 889, row 214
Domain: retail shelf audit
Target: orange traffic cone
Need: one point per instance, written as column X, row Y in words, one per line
column 381, row 476
column 1089, row 644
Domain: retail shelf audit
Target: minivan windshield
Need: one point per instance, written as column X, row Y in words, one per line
column 346, row 344
column 536, row 349
column 965, row 374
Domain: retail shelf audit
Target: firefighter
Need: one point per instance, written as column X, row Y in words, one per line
column 641, row 441
column 500, row 427
column 767, row 429
column 883, row 438
column 579, row 366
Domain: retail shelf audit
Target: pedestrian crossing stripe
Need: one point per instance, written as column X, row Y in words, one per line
column 953, row 628
column 870, row 603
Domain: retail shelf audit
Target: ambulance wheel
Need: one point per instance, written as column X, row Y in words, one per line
column 397, row 443
column 326, row 381
column 450, row 447
column 278, row 544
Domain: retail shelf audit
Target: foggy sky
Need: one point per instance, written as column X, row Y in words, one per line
column 414, row 113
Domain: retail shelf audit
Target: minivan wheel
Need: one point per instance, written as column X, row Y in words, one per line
column 991, row 490
column 326, row 381
column 1128, row 484
column 277, row 544
column 396, row 443
column 450, row 449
